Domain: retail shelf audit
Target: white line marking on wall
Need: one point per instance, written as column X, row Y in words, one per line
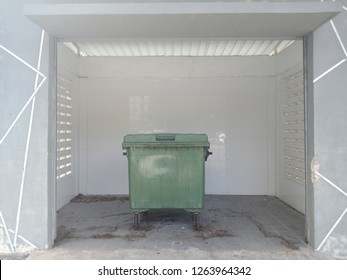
column 330, row 183
column 329, row 70
column 338, row 37
column 31, row 97
column 345, row 8
column 331, row 230
column 22, row 60
column 22, row 238
column 6, row 231
column 22, row 110
column 27, row 146
column 340, row 218
column 40, row 56
column 25, row 240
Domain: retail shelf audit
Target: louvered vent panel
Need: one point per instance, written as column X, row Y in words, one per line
column 64, row 127
column 294, row 127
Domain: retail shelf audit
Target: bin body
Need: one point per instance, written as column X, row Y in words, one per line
column 166, row 171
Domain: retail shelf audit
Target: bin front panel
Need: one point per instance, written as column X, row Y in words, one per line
column 166, row 177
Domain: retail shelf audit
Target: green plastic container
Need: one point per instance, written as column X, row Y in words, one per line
column 166, row 171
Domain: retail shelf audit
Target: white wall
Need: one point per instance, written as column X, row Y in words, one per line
column 289, row 65
column 230, row 99
column 67, row 84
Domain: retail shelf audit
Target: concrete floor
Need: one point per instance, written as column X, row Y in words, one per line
column 233, row 227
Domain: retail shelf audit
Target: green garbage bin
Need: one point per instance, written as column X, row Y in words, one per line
column 166, row 171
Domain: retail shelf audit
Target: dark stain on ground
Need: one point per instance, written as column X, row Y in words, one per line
column 146, row 227
column 290, row 244
column 132, row 236
column 129, row 237
column 104, row 228
column 211, row 229
column 116, row 215
column 97, row 198
column 212, row 233
column 105, row 236
column 286, row 241
column 63, row 232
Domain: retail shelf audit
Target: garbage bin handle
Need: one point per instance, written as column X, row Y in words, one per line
column 165, row 137
column 208, row 154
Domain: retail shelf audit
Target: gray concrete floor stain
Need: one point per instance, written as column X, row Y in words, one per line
column 233, row 227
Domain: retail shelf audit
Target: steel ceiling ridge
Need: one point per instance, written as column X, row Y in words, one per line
column 182, row 47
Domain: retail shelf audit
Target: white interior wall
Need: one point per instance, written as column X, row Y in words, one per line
column 67, row 85
column 231, row 99
column 289, row 63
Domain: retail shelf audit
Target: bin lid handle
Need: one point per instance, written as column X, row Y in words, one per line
column 165, row 137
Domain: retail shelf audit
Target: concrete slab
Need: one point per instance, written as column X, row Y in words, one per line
column 182, row 19
column 233, row 227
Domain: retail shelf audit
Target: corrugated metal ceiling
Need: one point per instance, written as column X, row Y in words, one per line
column 180, row 47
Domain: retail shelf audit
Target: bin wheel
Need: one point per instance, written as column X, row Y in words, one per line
column 136, row 220
column 197, row 221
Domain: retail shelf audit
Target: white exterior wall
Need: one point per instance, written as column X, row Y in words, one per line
column 27, row 151
column 327, row 49
column 230, row 99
